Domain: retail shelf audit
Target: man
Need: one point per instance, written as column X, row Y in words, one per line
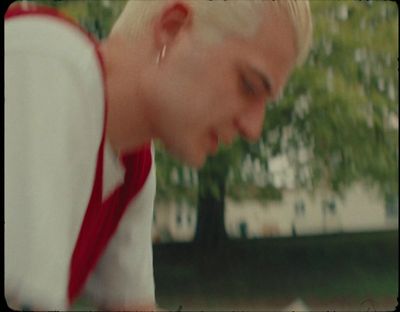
column 80, row 117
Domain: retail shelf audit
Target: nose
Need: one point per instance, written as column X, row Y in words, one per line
column 250, row 122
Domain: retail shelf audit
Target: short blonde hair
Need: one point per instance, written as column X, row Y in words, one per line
column 220, row 18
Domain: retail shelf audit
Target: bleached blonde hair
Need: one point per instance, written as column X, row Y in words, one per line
column 216, row 19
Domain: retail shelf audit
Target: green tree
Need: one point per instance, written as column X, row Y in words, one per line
column 340, row 108
column 96, row 16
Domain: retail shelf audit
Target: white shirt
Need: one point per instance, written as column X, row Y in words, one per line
column 54, row 127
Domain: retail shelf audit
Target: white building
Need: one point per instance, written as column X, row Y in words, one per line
column 174, row 222
column 298, row 213
column 302, row 213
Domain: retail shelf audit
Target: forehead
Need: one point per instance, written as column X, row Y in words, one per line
column 272, row 48
column 276, row 33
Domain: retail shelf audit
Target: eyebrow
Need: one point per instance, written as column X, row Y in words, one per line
column 266, row 81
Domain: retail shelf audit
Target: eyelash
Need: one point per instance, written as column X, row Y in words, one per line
column 248, row 87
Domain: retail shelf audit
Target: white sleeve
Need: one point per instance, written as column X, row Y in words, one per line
column 53, row 129
column 123, row 278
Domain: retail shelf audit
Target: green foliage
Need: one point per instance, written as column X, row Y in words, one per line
column 350, row 125
column 96, row 16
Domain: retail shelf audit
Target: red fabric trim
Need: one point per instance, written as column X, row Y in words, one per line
column 20, row 9
column 85, row 254
column 101, row 218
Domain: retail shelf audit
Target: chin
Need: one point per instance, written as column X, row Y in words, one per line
column 195, row 160
column 190, row 156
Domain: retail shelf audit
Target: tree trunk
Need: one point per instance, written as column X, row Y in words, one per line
column 210, row 229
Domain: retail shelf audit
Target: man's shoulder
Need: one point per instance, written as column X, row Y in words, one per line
column 55, row 44
column 30, row 25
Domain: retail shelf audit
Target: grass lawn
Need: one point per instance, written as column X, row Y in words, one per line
column 344, row 270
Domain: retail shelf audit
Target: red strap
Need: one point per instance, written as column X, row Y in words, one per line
column 23, row 8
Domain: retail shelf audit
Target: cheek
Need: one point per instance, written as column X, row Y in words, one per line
column 196, row 97
column 228, row 100
column 226, row 109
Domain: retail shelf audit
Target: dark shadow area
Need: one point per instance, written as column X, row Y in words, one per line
column 338, row 271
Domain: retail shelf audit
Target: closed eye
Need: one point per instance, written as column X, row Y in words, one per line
column 248, row 88
column 255, row 83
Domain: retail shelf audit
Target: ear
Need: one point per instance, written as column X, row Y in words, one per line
column 172, row 19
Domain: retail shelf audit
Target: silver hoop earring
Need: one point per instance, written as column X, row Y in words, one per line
column 162, row 54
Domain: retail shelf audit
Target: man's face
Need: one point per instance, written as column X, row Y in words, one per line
column 206, row 94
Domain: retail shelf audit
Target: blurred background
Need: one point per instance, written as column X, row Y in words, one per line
column 307, row 218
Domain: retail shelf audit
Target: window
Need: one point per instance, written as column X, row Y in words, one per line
column 299, row 208
column 329, row 207
column 392, row 206
column 179, row 217
column 243, row 229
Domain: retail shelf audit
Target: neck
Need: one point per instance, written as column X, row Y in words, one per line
column 127, row 126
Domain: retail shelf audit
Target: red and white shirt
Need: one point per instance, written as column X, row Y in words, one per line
column 77, row 219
